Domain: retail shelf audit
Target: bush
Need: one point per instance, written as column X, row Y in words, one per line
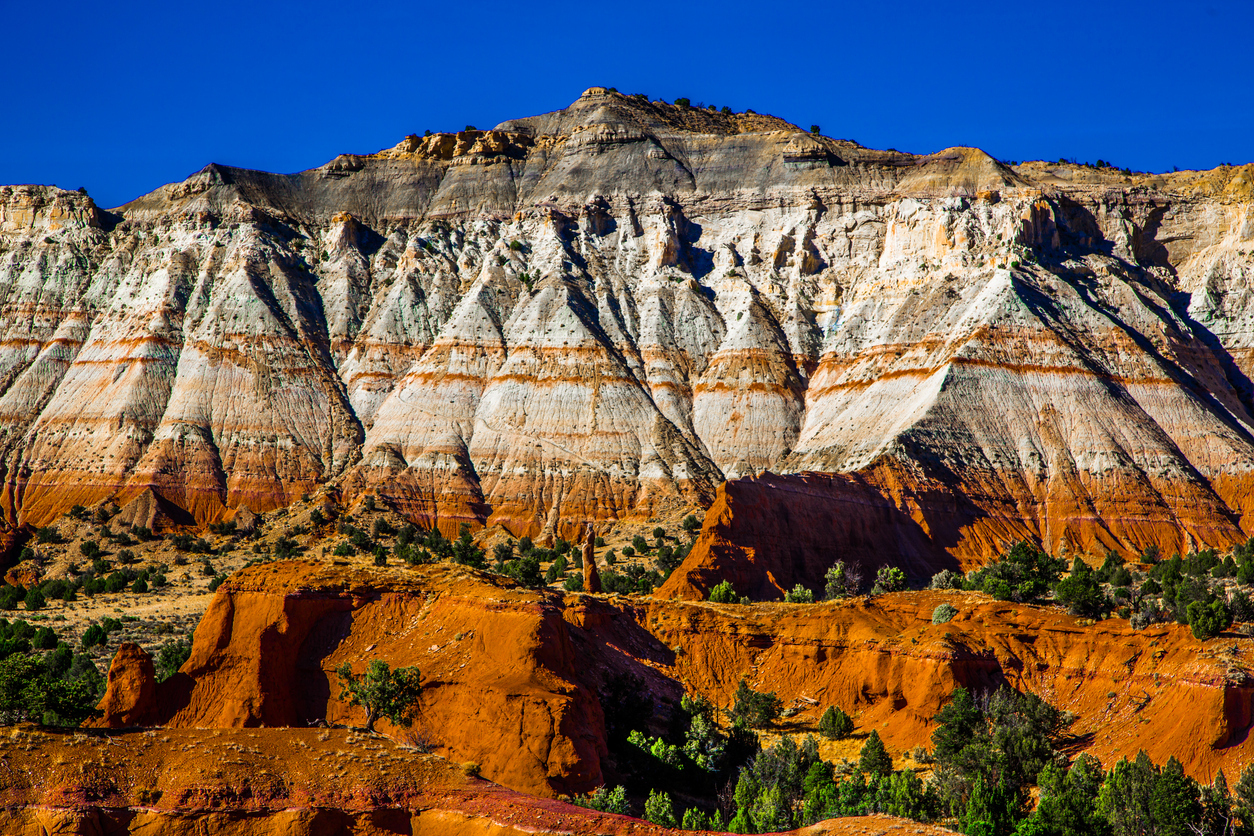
column 10, row 595
column 1080, row 592
column 946, row 579
column 723, row 593
column 34, row 599
column 754, row 709
column 889, row 579
column 606, row 800
column 944, row 613
column 682, row 101
column 835, row 724
column 842, row 581
column 48, row 534
column 140, row 586
column 32, row 691
column 691, row 524
column 628, row 551
column 95, row 636
column 45, row 639
column 1208, row 620
column 344, row 550
column 216, row 582
column 799, row 595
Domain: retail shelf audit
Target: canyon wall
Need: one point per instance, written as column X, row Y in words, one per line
column 603, row 313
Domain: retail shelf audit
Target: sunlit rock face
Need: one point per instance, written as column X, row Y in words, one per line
column 602, row 313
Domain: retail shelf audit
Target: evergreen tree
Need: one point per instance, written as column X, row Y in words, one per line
column 753, row 709
column 1066, row 807
column 991, row 810
column 1124, row 799
column 875, row 759
column 1174, row 802
column 659, row 809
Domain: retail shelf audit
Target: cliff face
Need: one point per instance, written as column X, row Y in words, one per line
column 603, row 312
column 520, row 681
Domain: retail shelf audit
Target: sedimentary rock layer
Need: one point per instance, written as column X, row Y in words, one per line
column 601, row 313
column 517, row 680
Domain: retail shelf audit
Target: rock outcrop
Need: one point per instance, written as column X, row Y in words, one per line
column 274, row 782
column 519, row 681
column 601, row 313
column 591, row 577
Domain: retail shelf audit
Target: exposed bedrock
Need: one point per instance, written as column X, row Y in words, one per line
column 519, row 681
column 601, row 313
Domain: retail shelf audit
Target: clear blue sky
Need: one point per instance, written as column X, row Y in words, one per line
column 121, row 98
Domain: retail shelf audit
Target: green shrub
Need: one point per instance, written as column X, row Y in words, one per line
column 659, row 809
column 754, row 709
column 944, row 613
column 95, row 636
column 723, row 593
column 34, row 599
column 382, row 692
column 606, row 800
column 1208, row 620
column 45, row 639
column 171, row 657
column 889, row 579
column 835, row 724
column 799, row 595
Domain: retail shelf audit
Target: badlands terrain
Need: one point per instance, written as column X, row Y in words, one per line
column 254, row 427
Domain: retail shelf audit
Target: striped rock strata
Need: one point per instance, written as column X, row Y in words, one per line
column 603, row 312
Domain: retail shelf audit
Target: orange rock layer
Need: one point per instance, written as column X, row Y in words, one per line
column 514, row 679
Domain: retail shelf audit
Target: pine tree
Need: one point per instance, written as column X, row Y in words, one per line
column 1174, row 801
column 875, row 759
column 659, row 809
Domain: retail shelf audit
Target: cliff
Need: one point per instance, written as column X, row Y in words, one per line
column 519, row 681
column 602, row 313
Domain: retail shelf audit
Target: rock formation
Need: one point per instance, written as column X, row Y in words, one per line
column 131, row 696
column 591, row 577
column 516, row 680
column 603, row 312
column 272, row 782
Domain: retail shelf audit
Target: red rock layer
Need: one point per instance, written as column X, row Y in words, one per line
column 289, row 782
column 513, row 678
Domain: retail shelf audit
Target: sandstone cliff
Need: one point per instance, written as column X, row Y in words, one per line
column 516, row 680
column 603, row 312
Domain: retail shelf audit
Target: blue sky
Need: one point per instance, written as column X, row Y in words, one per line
column 121, row 98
